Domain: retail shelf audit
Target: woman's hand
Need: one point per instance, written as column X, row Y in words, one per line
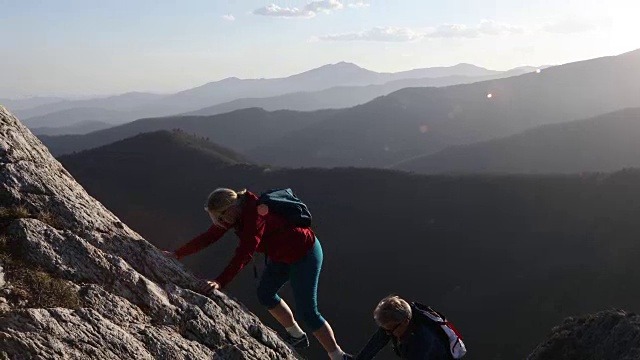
column 209, row 286
column 170, row 254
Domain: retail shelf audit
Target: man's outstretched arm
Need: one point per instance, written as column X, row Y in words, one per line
column 377, row 342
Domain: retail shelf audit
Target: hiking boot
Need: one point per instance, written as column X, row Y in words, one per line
column 297, row 343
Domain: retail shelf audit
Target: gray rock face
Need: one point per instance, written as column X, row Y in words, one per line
column 607, row 335
column 135, row 303
column 2, row 282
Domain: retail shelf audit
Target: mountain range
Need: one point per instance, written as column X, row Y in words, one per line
column 347, row 96
column 421, row 121
column 604, row 143
column 79, row 128
column 29, row 102
column 239, row 130
column 135, row 105
column 406, row 124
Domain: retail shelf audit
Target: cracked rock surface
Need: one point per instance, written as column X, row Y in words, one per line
column 134, row 302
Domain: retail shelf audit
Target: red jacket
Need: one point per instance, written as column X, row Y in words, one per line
column 270, row 234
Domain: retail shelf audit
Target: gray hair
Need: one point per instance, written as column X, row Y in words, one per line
column 392, row 309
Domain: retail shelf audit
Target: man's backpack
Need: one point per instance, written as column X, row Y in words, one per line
column 427, row 315
column 286, row 204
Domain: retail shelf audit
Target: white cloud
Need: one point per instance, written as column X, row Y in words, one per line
column 486, row 27
column 277, row 11
column 310, row 10
column 491, row 27
column 229, row 17
column 323, row 6
column 384, row 34
column 359, row 5
column 454, row 30
column 403, row 34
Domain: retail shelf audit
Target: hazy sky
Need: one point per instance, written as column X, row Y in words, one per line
column 91, row 47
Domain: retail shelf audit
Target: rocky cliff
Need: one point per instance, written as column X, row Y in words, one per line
column 77, row 283
column 607, row 335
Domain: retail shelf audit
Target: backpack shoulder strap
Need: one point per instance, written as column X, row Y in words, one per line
column 429, row 312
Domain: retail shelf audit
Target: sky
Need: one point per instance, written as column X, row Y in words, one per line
column 75, row 48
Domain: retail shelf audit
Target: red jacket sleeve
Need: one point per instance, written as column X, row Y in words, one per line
column 250, row 237
column 201, row 241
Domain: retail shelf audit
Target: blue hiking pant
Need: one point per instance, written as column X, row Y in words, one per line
column 304, row 275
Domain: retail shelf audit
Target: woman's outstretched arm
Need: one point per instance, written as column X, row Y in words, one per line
column 213, row 234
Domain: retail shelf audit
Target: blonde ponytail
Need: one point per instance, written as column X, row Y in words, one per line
column 222, row 199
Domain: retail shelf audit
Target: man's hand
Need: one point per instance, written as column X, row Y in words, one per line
column 209, row 286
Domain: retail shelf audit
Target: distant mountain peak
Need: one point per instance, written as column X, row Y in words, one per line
column 230, row 79
column 467, row 65
column 346, row 64
column 330, row 69
column 340, row 64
